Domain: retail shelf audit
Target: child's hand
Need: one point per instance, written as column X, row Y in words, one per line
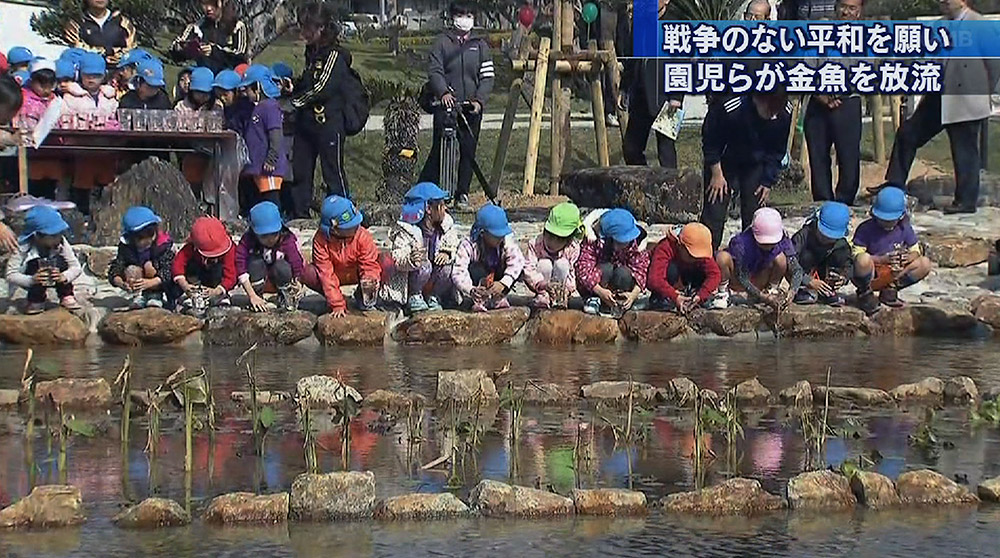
column 909, row 257
column 41, row 277
column 442, row 258
column 479, row 294
column 822, row 287
column 56, row 276
column 685, row 304
column 268, row 168
column 606, row 296
column 258, row 304
column 629, row 299
column 206, row 49
column 134, row 285
column 217, row 291
column 496, row 290
column 417, row 257
column 339, row 313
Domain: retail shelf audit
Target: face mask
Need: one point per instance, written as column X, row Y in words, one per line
column 464, row 23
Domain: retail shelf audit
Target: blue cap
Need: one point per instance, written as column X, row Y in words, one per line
column 619, row 225
column 42, row 219
column 92, row 64
column 151, row 71
column 72, row 54
column 833, row 219
column 890, row 204
column 282, row 70
column 137, row 218
column 339, row 213
column 415, row 201
column 19, row 55
column 258, row 73
column 492, row 219
column 227, row 80
column 135, row 56
column 202, row 79
column 65, row 69
column 265, row 218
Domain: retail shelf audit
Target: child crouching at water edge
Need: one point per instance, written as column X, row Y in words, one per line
column 268, row 260
column 345, row 253
column 44, row 260
column 683, row 274
column 613, row 265
column 488, row 262
column 205, row 268
column 424, row 241
column 143, row 267
column 550, row 261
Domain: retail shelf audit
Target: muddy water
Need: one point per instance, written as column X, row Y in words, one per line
column 772, row 451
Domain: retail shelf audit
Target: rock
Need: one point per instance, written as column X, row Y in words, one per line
column 926, row 188
column 727, row 323
column 571, row 327
column 752, row 393
column 800, row 395
column 953, row 250
column 861, row 397
column 652, row 327
column 96, row 259
column 421, row 506
column 820, row 490
column 652, row 194
column 353, row 330
column 609, row 501
column 263, row 397
column 466, row 385
column 944, row 320
column 151, row 326
column 153, row 183
column 986, row 308
column 927, row 488
column 244, row 328
column 618, row 392
column 55, row 327
column 9, row 398
column 245, row 507
column 325, row 392
column 496, row 499
column 76, row 393
column 961, row 390
column 818, row 321
column 153, row 513
column 710, row 395
column 874, row 491
column 384, row 400
column 452, row 327
column 989, row 490
column 681, row 391
column 333, row 496
column 546, row 394
column 46, row 506
column 734, row 497
column 929, row 391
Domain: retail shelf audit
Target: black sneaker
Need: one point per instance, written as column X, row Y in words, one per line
column 804, row 297
column 835, row 301
column 868, row 303
column 461, row 203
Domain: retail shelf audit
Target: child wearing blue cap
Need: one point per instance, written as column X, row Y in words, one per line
column 424, row 241
column 200, row 93
column 828, row 260
column 488, row 262
column 19, row 58
column 45, row 171
column 65, row 75
column 892, row 244
column 613, row 265
column 44, row 260
column 268, row 260
column 263, row 134
column 143, row 267
column 149, row 92
column 91, row 95
column 345, row 253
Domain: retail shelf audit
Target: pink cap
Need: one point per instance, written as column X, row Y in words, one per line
column 767, row 227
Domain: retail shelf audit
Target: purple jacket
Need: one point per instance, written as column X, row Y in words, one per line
column 250, row 248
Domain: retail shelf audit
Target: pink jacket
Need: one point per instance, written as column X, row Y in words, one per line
column 536, row 251
column 79, row 101
column 32, row 108
column 469, row 251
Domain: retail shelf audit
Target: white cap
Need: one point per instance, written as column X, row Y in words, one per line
column 39, row 64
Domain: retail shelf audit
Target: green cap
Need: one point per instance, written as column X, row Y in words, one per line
column 564, row 220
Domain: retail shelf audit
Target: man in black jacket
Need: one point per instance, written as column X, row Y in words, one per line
column 219, row 41
column 101, row 30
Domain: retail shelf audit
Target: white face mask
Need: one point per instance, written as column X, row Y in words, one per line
column 464, row 23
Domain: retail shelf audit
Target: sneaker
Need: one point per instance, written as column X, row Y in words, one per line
column 662, row 304
column 154, row 301
column 719, row 300
column 34, row 308
column 478, row 307
column 592, row 306
column 462, row 203
column 890, row 297
column 70, row 303
column 804, row 297
column 138, row 302
column 541, row 301
column 221, row 300
column 868, row 303
column 289, row 297
column 611, row 121
column 835, row 301
column 433, row 304
column 501, row 304
column 416, row 304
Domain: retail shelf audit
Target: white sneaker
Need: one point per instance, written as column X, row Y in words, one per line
column 719, row 300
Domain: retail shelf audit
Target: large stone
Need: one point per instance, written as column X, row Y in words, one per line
column 96, row 259
column 861, row 397
column 247, row 508
column 151, row 326
column 954, row 250
column 800, row 395
column 452, row 327
column 153, row 513
column 928, row 488
column 734, row 497
column 652, row 327
column 652, row 194
column 393, row 402
column 609, row 501
column 820, row 490
column 926, row 188
column 618, row 392
column 421, row 506
column 333, row 496
column 263, row 397
column 152, row 183
column 466, row 385
column 986, row 308
column 818, row 321
column 76, row 393
column 325, row 392
column 47, row 506
column 927, row 320
column 571, row 327
column 961, row 390
column 545, row 394
column 927, row 391
column 752, row 393
column 9, row 398
column 244, row 328
column 681, row 391
column 496, row 499
column 874, row 491
column 727, row 323
column 55, row 327
column 353, row 330
column 989, row 490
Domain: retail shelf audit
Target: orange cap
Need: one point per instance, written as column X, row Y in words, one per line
column 697, row 239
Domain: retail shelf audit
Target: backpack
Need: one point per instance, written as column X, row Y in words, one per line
column 356, row 104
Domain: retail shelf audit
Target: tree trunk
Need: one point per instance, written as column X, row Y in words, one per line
column 266, row 21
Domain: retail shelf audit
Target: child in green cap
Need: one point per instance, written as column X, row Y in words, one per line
column 551, row 259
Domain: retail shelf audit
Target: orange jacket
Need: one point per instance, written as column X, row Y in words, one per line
column 344, row 262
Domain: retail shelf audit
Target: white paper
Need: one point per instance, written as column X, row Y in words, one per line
column 48, row 121
column 668, row 122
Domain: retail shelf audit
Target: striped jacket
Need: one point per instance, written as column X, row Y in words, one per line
column 112, row 39
column 462, row 66
column 230, row 48
column 320, row 90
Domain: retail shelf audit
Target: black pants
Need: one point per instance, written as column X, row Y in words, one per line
column 822, row 263
column 616, row 278
column 36, row 293
column 840, row 128
column 468, row 141
column 640, row 123
column 743, row 178
column 482, row 275
column 690, row 279
column 280, row 273
column 205, row 274
column 920, row 128
column 311, row 141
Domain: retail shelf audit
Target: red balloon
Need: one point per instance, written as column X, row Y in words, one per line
column 526, row 15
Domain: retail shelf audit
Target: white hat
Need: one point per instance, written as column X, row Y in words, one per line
column 39, row 64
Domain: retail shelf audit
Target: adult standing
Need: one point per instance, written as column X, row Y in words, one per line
column 218, row 41
column 835, row 121
column 961, row 110
column 101, row 30
column 460, row 76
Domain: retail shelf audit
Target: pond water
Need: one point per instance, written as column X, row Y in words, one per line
column 544, row 456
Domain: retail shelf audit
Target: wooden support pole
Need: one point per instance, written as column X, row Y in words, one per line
column 896, row 106
column 507, row 128
column 615, row 74
column 794, row 126
column 559, row 66
column 556, row 110
column 878, row 131
column 22, row 168
column 567, row 33
column 597, row 102
column 535, row 127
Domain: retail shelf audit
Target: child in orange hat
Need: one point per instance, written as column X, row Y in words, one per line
column 683, row 275
column 205, row 268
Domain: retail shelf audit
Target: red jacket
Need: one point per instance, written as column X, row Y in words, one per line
column 228, row 259
column 344, row 262
column 664, row 254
